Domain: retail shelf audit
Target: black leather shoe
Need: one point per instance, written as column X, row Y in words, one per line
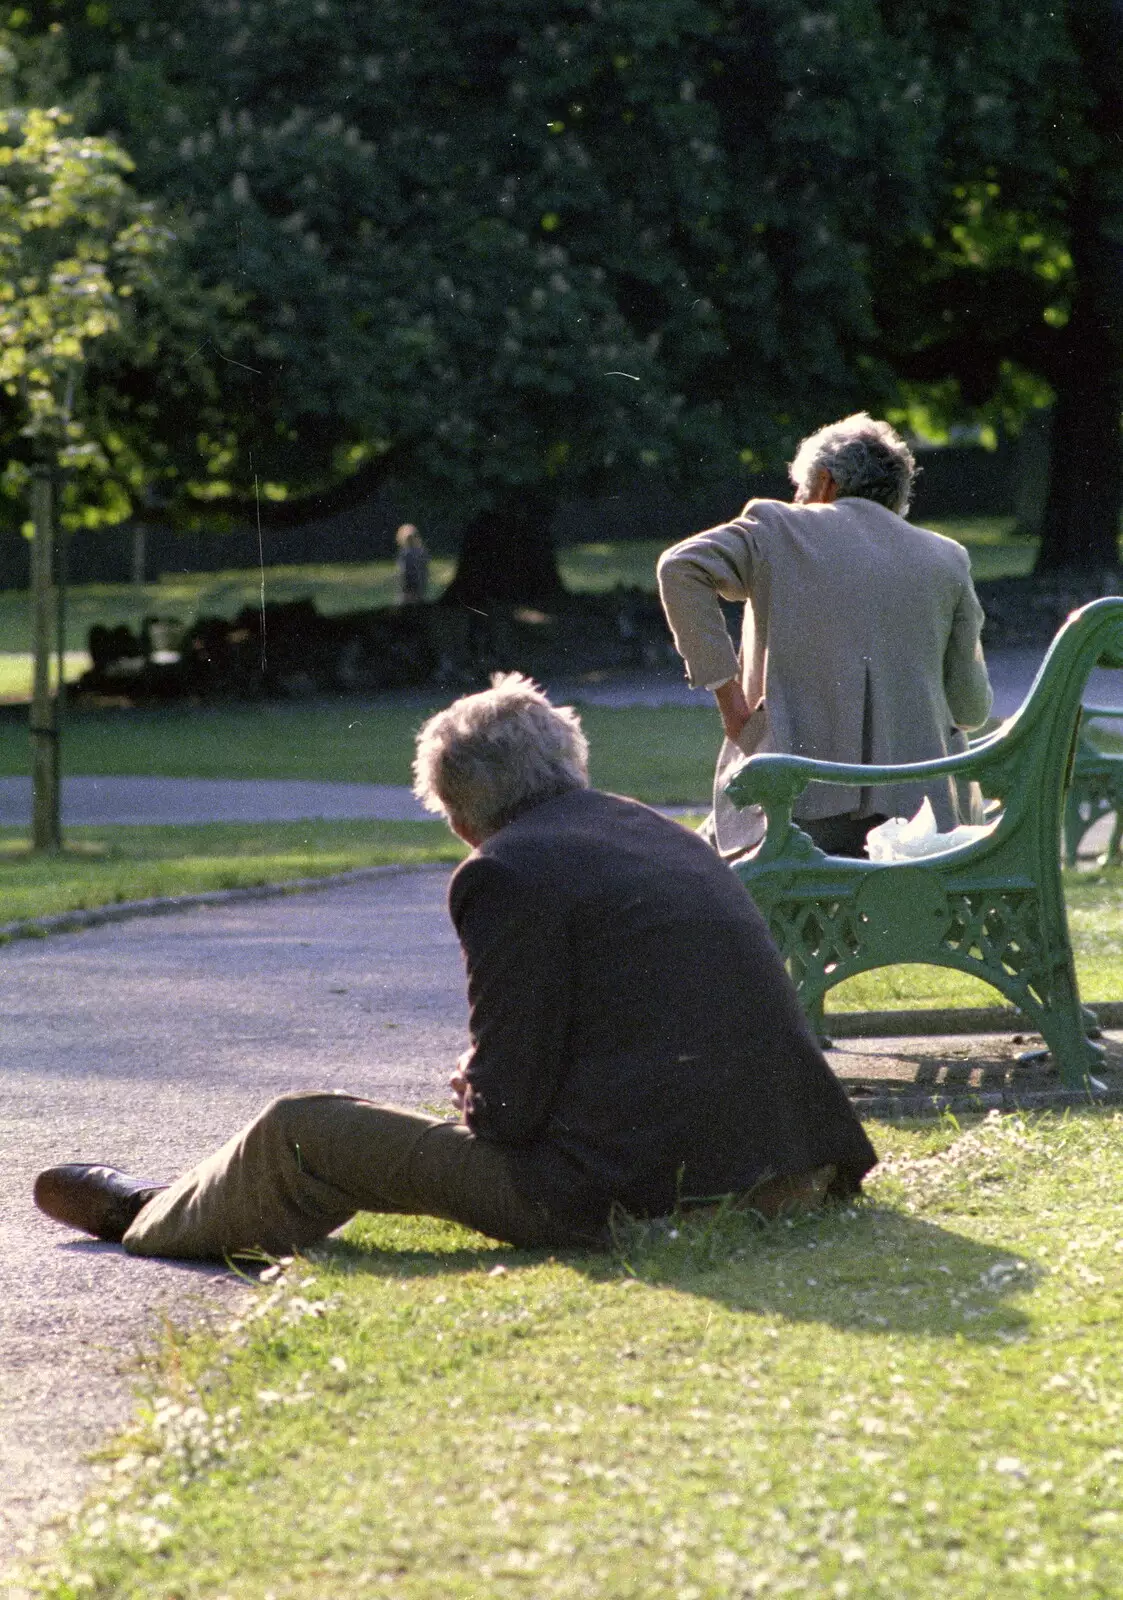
column 99, row 1200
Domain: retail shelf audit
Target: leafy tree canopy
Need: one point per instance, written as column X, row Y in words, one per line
column 74, row 245
column 473, row 248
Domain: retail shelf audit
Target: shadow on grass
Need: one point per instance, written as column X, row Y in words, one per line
column 869, row 1268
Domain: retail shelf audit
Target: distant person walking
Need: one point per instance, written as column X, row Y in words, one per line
column 413, row 566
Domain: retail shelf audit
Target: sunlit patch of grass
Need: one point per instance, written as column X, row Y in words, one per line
column 103, row 866
column 16, row 672
column 995, row 550
column 664, row 754
column 916, row 1396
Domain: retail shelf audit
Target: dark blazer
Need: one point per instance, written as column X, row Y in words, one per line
column 635, row 1035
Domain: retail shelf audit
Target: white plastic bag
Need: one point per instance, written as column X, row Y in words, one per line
column 898, row 840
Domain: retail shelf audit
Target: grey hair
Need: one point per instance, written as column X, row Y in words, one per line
column 490, row 755
column 865, row 457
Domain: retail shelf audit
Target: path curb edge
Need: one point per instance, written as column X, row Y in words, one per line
column 125, row 910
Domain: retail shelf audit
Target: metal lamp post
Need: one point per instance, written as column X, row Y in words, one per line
column 46, row 832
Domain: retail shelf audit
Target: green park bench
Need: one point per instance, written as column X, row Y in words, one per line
column 993, row 907
column 1097, row 784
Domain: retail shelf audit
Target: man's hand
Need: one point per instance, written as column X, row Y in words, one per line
column 458, row 1083
column 734, row 708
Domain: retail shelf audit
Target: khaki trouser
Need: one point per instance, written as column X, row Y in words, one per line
column 310, row 1161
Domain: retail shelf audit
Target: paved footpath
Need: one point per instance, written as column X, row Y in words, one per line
column 146, row 1044
column 94, row 802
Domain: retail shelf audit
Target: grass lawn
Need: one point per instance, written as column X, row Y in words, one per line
column 665, row 754
column 108, row 865
column 916, row 1397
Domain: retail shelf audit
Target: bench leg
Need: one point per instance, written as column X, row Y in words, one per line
column 1063, row 1029
column 813, row 1011
column 1073, row 828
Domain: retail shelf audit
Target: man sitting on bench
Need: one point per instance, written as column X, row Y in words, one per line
column 860, row 640
column 635, row 1039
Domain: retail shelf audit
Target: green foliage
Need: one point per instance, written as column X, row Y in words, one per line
column 471, row 250
column 1019, row 93
column 482, row 247
column 74, row 244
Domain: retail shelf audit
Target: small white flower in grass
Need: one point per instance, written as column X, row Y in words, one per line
column 498, row 1272
column 275, row 1269
column 337, row 1364
column 1011, row 1467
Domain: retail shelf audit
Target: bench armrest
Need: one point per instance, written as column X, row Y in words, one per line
column 778, row 780
column 1010, row 755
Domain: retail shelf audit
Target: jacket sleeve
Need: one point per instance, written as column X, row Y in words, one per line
column 516, row 949
column 966, row 681
column 694, row 577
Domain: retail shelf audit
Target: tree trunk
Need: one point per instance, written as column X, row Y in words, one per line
column 46, row 833
column 507, row 556
column 138, row 563
column 1031, row 472
column 1080, row 527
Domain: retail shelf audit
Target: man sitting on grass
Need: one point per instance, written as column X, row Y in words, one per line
column 635, row 1040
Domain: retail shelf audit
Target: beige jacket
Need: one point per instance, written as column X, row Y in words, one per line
column 860, row 637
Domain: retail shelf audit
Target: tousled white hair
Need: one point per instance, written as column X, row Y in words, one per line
column 865, row 457
column 490, row 755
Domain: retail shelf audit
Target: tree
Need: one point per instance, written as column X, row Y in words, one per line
column 493, row 253
column 1016, row 291
column 74, row 242
column 486, row 253
column 1081, row 523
